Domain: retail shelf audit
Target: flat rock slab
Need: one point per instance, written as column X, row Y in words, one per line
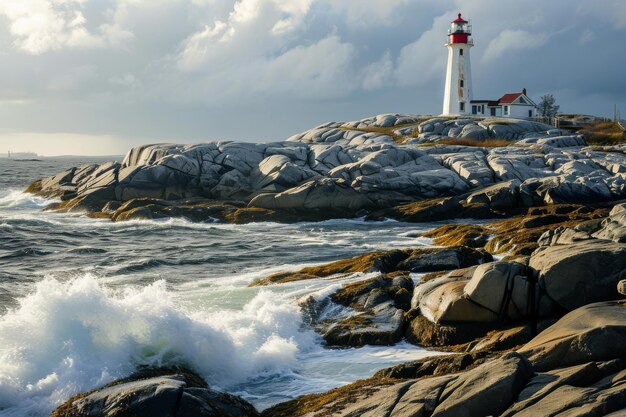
column 595, row 332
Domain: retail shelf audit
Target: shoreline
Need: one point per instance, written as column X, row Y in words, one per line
column 544, row 310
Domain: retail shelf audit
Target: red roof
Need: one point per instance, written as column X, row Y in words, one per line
column 509, row 98
column 459, row 19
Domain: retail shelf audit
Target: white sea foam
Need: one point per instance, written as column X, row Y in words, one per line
column 16, row 198
column 70, row 337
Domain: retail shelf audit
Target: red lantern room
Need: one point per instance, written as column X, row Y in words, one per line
column 460, row 31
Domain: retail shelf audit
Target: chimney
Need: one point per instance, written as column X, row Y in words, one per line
column 524, row 91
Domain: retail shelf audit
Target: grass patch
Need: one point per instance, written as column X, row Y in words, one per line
column 516, row 235
column 389, row 131
column 473, row 236
column 362, row 263
column 501, row 122
column 604, row 133
column 489, row 143
column 331, row 401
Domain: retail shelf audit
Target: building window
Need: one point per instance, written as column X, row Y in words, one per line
column 462, row 106
column 506, row 110
column 482, row 109
column 461, row 83
column 530, row 113
column 460, row 51
column 474, row 109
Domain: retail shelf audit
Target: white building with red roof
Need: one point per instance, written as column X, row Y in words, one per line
column 517, row 105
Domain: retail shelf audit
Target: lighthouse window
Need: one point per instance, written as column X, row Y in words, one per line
column 460, row 83
column 462, row 106
column 460, row 51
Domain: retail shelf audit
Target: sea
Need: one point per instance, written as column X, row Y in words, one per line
column 86, row 301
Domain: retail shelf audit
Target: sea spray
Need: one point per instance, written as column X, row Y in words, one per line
column 16, row 198
column 70, row 337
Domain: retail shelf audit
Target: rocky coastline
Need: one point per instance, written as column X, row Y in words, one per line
column 529, row 302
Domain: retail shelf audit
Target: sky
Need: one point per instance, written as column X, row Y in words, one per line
column 96, row 77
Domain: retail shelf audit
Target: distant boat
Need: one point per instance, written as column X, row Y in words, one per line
column 23, row 156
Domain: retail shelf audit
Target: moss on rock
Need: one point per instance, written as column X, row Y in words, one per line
column 413, row 260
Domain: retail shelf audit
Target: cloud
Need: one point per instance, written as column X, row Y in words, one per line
column 367, row 14
column 321, row 70
column 613, row 11
column 39, row 26
column 587, row 36
column 125, row 80
column 378, row 74
column 252, row 52
column 509, row 41
column 424, row 60
column 196, row 69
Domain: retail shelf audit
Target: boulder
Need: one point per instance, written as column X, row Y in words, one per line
column 501, row 196
column 441, row 259
column 447, row 303
column 277, row 173
column 499, row 340
column 421, row 397
column 153, row 181
column 325, row 193
column 486, row 390
column 503, row 288
column 580, row 273
column 568, row 235
column 178, row 395
column 362, row 295
column 232, row 185
column 471, row 167
column 566, row 189
column 594, row 332
column 614, row 227
column 379, row 304
column 382, row 324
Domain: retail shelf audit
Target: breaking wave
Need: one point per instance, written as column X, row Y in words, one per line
column 68, row 337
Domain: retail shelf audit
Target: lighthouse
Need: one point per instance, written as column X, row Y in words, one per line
column 458, row 92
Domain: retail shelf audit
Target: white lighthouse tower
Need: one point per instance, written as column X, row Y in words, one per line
column 458, row 94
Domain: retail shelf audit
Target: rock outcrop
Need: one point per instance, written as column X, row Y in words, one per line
column 348, row 169
column 181, row 394
column 571, row 368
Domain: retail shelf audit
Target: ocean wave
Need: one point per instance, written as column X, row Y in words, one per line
column 69, row 337
column 16, row 198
